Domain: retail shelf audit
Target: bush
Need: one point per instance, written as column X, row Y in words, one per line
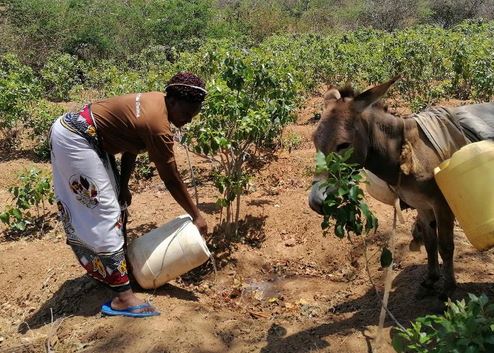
column 144, row 170
column 448, row 13
column 18, row 86
column 42, row 113
column 391, row 15
column 40, row 28
column 178, row 22
column 59, row 75
column 291, row 141
column 34, row 191
column 465, row 327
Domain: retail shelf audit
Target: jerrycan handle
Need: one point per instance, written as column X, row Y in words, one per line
column 443, row 165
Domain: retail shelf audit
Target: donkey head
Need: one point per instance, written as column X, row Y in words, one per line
column 341, row 127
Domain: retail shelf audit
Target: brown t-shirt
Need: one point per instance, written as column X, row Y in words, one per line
column 133, row 123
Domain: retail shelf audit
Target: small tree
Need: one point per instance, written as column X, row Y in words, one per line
column 247, row 107
column 34, row 191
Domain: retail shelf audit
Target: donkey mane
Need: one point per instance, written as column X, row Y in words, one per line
column 348, row 91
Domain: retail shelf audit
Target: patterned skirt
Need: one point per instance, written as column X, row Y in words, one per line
column 86, row 191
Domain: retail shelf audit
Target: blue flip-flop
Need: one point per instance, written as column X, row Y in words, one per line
column 106, row 309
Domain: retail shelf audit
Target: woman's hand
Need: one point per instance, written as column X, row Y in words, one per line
column 201, row 224
column 125, row 197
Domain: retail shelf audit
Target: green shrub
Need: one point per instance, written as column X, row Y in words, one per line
column 291, row 141
column 465, row 327
column 42, row 113
column 40, row 28
column 59, row 75
column 18, row 86
column 33, row 192
column 179, row 22
column 110, row 78
column 144, row 169
column 483, row 78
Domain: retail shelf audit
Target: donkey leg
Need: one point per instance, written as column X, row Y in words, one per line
column 427, row 218
column 445, row 224
column 418, row 230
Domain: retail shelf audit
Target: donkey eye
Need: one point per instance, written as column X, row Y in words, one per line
column 342, row 146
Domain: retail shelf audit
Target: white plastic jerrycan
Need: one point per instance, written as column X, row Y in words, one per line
column 378, row 188
column 167, row 252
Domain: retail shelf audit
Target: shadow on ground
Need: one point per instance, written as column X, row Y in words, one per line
column 260, row 202
column 169, row 290
column 81, row 296
column 140, row 230
column 37, row 230
column 209, row 207
column 11, row 153
column 365, row 311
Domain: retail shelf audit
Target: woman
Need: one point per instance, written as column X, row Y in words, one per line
column 89, row 191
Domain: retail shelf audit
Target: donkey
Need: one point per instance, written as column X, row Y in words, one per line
column 398, row 152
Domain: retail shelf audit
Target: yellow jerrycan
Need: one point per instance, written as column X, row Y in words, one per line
column 467, row 182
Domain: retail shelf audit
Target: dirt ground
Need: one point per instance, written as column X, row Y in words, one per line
column 280, row 286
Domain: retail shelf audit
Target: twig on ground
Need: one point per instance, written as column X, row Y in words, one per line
column 255, row 314
column 45, row 282
column 54, row 328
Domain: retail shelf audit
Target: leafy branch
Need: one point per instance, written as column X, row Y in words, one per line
column 344, row 207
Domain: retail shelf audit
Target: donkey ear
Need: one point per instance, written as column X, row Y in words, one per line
column 332, row 95
column 372, row 95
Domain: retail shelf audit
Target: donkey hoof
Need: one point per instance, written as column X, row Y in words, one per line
column 425, row 291
column 443, row 296
column 415, row 245
column 429, row 281
column 447, row 293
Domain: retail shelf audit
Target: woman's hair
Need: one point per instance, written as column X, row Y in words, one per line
column 187, row 86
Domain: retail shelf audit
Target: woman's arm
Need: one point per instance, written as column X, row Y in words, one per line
column 170, row 176
column 127, row 166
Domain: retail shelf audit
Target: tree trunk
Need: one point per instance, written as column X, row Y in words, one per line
column 228, row 227
column 237, row 214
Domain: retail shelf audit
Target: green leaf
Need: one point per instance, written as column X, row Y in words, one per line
column 399, row 343
column 325, row 224
column 339, row 231
column 16, row 213
column 386, row 257
column 5, row 217
column 354, row 192
column 321, row 162
column 20, row 225
column 347, row 154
